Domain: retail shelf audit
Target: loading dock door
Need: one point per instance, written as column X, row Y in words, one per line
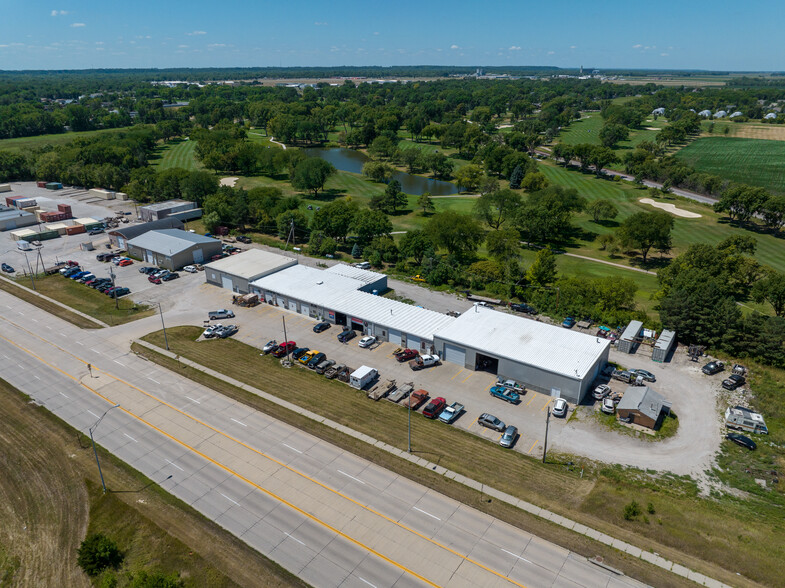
column 293, row 305
column 226, row 282
column 413, row 342
column 281, row 302
column 454, row 354
column 395, row 337
column 198, row 256
column 268, row 296
column 304, row 308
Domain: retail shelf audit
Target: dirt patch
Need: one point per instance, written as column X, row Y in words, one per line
column 671, row 208
column 230, row 181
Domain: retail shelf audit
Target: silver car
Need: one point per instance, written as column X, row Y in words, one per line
column 509, row 437
column 559, row 408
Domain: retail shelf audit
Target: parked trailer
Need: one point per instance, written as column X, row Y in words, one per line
column 381, row 390
column 401, row 392
column 743, row 419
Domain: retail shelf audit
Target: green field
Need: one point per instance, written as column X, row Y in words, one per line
column 750, row 161
column 57, row 139
column 177, row 153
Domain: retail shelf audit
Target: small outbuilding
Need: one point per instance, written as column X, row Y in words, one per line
column 770, row 116
column 172, row 248
column 643, row 406
column 663, row 346
column 120, row 237
column 237, row 271
column 630, row 338
column 720, row 114
column 658, row 111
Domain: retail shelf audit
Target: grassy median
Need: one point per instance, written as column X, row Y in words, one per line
column 719, row 536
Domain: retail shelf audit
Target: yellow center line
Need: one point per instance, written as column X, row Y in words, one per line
column 258, row 452
column 532, row 447
column 458, row 373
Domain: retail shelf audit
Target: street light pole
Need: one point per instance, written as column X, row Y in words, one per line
column 410, row 426
column 30, row 269
column 161, row 312
column 547, row 424
column 91, row 429
column 116, row 302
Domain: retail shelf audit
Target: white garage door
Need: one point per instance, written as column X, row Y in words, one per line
column 304, row 308
column 198, row 256
column 268, row 296
column 454, row 354
column 281, row 302
column 226, row 282
column 395, row 337
column 413, row 342
column 293, row 305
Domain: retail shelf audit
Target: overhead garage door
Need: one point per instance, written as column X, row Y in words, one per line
column 395, row 337
column 304, row 308
column 226, row 282
column 198, row 256
column 269, row 297
column 281, row 302
column 293, row 305
column 454, row 354
column 413, row 342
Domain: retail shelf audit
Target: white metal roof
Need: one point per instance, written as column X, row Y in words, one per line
column 170, row 241
column 252, row 264
column 342, row 294
column 551, row 348
column 365, row 276
column 85, row 221
column 632, row 331
column 666, row 337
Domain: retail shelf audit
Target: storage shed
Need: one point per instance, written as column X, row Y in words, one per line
column 630, row 338
column 544, row 357
column 172, row 248
column 663, row 346
column 642, row 406
column 237, row 271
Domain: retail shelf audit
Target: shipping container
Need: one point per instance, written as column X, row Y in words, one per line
column 66, row 208
column 75, row 230
column 9, row 200
column 41, row 184
column 5, row 187
column 100, row 193
column 53, row 186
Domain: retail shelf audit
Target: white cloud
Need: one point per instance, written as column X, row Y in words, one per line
column 217, row 45
column 514, row 48
column 573, row 46
column 551, row 52
column 59, row 12
column 320, row 24
column 194, row 33
column 182, row 46
column 97, row 43
column 638, row 46
column 77, row 25
column 376, row 33
column 664, row 54
column 454, row 47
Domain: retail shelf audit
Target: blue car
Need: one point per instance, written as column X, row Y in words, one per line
column 506, row 394
column 568, row 323
column 71, row 271
column 78, row 275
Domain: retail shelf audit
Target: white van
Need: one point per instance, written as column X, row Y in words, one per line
column 23, row 245
column 363, row 265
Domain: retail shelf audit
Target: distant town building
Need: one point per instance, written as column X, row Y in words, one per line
column 658, row 111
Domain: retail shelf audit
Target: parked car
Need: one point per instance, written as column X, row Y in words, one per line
column 118, row 292
column 220, row 314
column 95, row 231
column 647, row 376
column 407, row 355
column 512, row 385
column 733, row 381
column 146, row 269
column 450, row 413
column 212, row 330
column 7, row 268
column 505, row 394
column 104, row 287
column 742, row 440
column 227, row 331
column 316, row 359
column 320, row 327
column 244, row 239
column 153, row 279
column 170, row 276
column 434, row 407
column 306, row 357
column 713, row 367
column 560, row 408
column 367, row 341
column 608, row 405
column 622, row 376
column 568, row 323
column 601, row 391
column 86, row 278
column 524, row 308
column 99, row 282
column 191, row 269
column 284, row 348
column 509, row 436
column 270, row 346
column 125, row 262
column 424, row 361
column 490, row 421
column 78, row 275
column 299, row 352
column 347, row 335
column 66, row 271
column 324, row 366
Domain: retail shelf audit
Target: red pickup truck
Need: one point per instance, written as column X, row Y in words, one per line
column 415, row 399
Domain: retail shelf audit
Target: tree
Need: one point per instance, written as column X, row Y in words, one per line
column 497, row 208
column 416, row 244
column 601, row 157
column 198, row 185
column 612, row 133
column 742, row 202
column 468, row 177
column 702, row 314
column 516, row 177
column 602, row 210
column 211, row 220
column 378, row 171
column 96, row 553
column 335, row 218
column 542, row 271
column 285, row 220
column 534, row 181
column 773, row 212
column 425, row 202
column 311, row 175
column 644, row 230
column 772, row 290
column 458, row 233
column 321, row 244
column 608, row 243
column 504, row 244
column 546, row 215
column 381, row 147
column 395, row 197
column 368, row 224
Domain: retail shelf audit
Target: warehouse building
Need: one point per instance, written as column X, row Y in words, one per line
column 237, row 271
column 373, row 282
column 172, row 248
column 181, row 209
column 12, row 218
column 548, row 359
column 120, row 237
column 345, row 301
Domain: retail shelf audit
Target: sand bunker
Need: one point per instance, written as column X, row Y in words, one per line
column 229, row 181
column 670, row 208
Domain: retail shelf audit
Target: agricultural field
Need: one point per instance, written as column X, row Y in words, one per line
column 750, row 161
column 745, row 130
column 177, row 153
column 56, row 139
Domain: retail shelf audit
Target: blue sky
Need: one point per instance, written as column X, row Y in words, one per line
column 67, row 34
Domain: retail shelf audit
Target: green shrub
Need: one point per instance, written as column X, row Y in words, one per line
column 632, row 510
column 97, row 552
column 650, row 508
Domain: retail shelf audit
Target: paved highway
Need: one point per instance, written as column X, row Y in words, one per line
column 325, row 514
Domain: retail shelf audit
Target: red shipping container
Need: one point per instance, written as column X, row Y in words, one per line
column 41, row 184
column 75, row 230
column 9, row 200
column 64, row 208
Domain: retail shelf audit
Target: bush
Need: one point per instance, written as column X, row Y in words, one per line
column 632, row 510
column 97, row 552
column 650, row 508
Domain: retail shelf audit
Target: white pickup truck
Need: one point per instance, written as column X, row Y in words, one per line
column 424, row 361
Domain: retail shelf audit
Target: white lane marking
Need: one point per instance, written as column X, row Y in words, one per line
column 239, row 423
column 95, row 351
column 4, row 355
column 131, row 438
column 156, row 381
column 193, row 400
column 229, row 499
column 426, row 513
column 175, row 465
column 366, row 581
column 36, row 377
column 20, row 366
column 122, row 364
column 352, row 477
column 518, row 556
column 293, row 538
column 48, row 327
column 66, row 395
column 36, row 320
column 290, row 447
column 78, row 343
column 92, row 413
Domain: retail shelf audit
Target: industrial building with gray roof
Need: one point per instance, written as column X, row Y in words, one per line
column 172, row 248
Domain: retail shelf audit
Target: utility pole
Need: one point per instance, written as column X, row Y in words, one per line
column 116, row 302
column 286, row 341
column 547, row 424
column 30, row 269
column 91, row 429
column 410, row 426
column 166, row 339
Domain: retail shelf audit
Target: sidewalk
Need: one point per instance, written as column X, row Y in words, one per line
column 623, row 546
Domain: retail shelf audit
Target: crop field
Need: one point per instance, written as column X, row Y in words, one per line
column 749, row 161
column 177, row 153
column 56, row 139
column 745, row 130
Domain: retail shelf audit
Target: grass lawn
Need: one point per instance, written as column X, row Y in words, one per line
column 750, row 161
column 685, row 527
column 85, row 299
column 49, row 307
column 176, row 153
column 56, row 139
column 51, row 480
